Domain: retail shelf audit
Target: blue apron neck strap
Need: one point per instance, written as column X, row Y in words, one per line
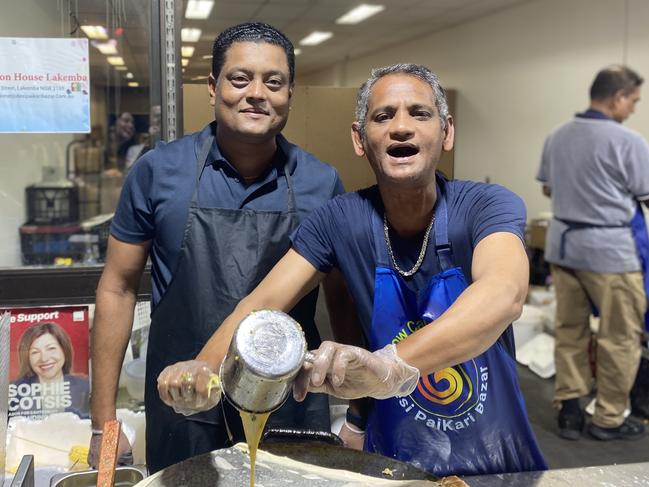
column 442, row 243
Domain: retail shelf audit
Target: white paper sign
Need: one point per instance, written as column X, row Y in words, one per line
column 44, row 85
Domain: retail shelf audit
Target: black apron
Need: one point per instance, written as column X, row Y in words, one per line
column 224, row 255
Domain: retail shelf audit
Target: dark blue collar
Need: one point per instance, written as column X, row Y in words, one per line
column 593, row 114
column 285, row 157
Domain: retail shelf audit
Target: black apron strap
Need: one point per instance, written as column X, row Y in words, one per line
column 201, row 162
column 291, row 195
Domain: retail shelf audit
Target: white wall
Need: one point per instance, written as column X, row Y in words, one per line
column 519, row 73
column 23, row 155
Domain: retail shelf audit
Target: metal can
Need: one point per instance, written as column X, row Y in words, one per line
column 265, row 355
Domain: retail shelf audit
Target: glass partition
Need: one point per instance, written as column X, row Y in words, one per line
column 58, row 191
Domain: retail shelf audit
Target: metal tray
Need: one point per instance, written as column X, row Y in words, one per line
column 124, row 477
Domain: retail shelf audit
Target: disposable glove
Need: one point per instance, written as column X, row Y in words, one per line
column 124, row 450
column 189, row 387
column 351, row 372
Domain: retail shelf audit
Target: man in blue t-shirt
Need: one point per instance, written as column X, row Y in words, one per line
column 214, row 211
column 437, row 270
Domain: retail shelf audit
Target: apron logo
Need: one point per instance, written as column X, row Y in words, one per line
column 450, row 399
column 450, row 382
column 451, row 392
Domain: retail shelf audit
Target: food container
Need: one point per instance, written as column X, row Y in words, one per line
column 124, row 477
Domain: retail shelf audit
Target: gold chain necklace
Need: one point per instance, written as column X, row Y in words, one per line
column 422, row 252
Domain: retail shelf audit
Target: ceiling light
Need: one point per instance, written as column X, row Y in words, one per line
column 297, row 52
column 187, row 51
column 360, row 13
column 121, row 68
column 133, row 84
column 315, row 37
column 190, row 35
column 185, row 61
column 107, row 48
column 198, row 9
column 95, row 31
column 199, row 78
column 115, row 60
column 129, row 76
column 207, row 56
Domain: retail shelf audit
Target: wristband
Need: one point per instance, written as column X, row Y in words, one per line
column 354, row 429
column 355, row 419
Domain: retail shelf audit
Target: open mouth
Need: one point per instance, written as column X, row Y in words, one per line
column 401, row 151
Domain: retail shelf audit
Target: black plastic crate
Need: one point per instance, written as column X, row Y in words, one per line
column 100, row 226
column 48, row 205
column 44, row 244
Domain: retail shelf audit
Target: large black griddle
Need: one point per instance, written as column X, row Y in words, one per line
column 326, row 450
column 229, row 467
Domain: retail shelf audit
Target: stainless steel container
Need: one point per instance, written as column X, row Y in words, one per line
column 124, row 477
column 266, row 353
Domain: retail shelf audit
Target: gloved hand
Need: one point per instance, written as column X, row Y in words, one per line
column 352, row 436
column 189, row 387
column 351, row 372
column 124, row 450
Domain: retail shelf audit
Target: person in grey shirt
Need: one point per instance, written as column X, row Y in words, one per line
column 597, row 171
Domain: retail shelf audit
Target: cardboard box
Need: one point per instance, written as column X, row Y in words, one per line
column 536, row 232
column 88, row 160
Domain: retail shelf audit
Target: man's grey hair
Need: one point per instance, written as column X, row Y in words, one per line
column 416, row 70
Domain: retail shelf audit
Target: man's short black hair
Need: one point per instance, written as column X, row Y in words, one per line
column 613, row 79
column 251, row 32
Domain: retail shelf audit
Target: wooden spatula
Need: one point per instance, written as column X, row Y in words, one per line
column 108, row 453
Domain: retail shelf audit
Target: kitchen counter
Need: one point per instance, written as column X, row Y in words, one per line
column 632, row 474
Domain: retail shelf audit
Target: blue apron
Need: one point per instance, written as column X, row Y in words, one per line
column 639, row 231
column 640, row 236
column 466, row 420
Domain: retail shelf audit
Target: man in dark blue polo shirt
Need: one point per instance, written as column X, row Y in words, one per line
column 214, row 211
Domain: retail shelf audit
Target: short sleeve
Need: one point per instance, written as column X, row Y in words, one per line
column 637, row 170
column 338, row 188
column 497, row 209
column 134, row 218
column 313, row 238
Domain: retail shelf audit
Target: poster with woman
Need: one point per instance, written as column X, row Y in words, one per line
column 48, row 366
